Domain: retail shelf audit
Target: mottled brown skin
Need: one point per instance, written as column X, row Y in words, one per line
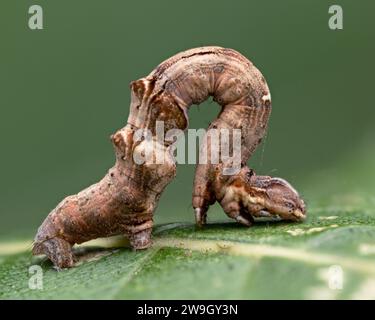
column 123, row 202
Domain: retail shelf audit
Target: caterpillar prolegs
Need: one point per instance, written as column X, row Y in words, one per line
column 123, row 202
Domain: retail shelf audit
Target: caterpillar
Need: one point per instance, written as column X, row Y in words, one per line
column 123, row 202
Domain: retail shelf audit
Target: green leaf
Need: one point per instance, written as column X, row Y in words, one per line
column 221, row 261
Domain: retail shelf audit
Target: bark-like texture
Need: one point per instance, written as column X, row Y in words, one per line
column 123, row 202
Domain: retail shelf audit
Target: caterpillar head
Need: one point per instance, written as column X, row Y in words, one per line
column 277, row 197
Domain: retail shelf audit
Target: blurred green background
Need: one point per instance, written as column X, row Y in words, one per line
column 65, row 89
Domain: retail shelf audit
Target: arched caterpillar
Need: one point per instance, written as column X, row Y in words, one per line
column 123, row 202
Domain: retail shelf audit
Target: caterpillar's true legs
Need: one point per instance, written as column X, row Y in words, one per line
column 141, row 240
column 200, row 216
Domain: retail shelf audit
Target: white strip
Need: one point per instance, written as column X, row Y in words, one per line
column 229, row 247
column 267, row 97
column 261, row 250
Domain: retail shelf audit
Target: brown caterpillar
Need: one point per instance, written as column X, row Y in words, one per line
column 123, row 202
